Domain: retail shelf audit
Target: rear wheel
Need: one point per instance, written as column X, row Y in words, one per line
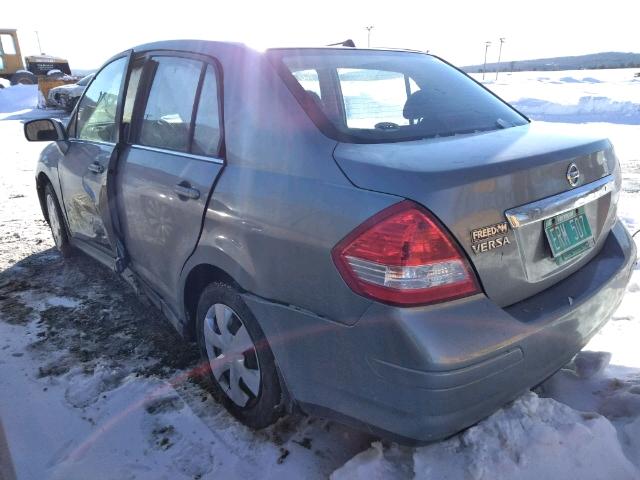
column 23, row 77
column 237, row 357
column 56, row 222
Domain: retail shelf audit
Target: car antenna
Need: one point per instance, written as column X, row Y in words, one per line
column 347, row 43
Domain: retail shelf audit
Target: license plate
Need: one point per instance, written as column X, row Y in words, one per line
column 568, row 234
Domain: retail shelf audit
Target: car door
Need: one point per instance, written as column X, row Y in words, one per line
column 93, row 135
column 168, row 169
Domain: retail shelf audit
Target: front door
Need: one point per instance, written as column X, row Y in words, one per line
column 168, row 169
column 93, row 133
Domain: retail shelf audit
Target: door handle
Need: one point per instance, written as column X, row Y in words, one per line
column 95, row 167
column 186, row 191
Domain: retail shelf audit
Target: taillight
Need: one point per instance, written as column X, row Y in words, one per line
column 404, row 256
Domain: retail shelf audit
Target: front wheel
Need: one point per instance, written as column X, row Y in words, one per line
column 237, row 357
column 56, row 222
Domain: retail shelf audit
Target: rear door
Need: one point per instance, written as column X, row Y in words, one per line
column 167, row 170
column 93, row 136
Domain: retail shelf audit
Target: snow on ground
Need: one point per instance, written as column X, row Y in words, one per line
column 572, row 95
column 16, row 99
column 20, row 102
column 93, row 384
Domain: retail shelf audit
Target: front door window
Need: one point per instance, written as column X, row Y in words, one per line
column 98, row 107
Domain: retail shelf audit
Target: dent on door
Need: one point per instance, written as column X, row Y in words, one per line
column 84, row 216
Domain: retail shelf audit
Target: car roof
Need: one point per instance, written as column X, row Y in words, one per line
column 237, row 48
column 188, row 45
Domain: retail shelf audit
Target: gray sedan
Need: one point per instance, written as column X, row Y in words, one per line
column 366, row 235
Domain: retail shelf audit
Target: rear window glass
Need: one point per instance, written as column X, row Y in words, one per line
column 365, row 95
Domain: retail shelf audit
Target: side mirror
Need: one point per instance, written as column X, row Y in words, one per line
column 45, row 130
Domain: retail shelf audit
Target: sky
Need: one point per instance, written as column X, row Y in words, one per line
column 88, row 33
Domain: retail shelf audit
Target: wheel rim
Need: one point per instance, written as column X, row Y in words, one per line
column 54, row 221
column 232, row 354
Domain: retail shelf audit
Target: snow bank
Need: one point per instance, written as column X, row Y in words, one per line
column 572, row 96
column 588, row 108
column 18, row 97
column 534, row 438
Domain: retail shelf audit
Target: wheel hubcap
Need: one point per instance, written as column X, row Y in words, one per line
column 54, row 221
column 232, row 354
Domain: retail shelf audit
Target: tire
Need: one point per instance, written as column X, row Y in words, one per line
column 234, row 380
column 23, row 77
column 56, row 222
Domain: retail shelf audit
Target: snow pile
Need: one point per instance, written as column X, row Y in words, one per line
column 593, row 434
column 572, row 96
column 4, row 83
column 597, row 108
column 532, row 439
column 18, row 98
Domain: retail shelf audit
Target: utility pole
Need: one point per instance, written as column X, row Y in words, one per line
column 486, row 47
column 39, row 46
column 369, row 28
column 502, row 39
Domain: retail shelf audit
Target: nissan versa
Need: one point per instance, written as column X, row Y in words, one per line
column 366, row 235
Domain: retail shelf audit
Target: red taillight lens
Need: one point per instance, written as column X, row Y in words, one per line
column 403, row 256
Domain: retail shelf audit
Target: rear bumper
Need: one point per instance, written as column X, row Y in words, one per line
column 420, row 374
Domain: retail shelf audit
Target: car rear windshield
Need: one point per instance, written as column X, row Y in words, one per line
column 380, row 96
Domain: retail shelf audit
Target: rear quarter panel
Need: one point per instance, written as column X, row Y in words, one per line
column 281, row 203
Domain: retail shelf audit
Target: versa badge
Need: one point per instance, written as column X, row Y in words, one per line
column 490, row 237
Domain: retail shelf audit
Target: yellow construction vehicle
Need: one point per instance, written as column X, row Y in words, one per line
column 16, row 71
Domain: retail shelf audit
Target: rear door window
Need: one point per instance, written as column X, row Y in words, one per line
column 166, row 121
column 206, row 132
column 183, row 110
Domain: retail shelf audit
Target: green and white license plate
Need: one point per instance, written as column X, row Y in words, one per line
column 569, row 235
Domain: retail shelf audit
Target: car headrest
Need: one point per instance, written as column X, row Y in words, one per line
column 416, row 106
column 314, row 97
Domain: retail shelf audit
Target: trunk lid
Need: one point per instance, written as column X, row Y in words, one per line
column 475, row 181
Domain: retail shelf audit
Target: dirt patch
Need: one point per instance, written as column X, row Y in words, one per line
column 15, row 312
column 104, row 307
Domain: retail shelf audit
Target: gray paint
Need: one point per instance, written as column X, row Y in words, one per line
column 272, row 209
column 421, row 374
column 470, row 181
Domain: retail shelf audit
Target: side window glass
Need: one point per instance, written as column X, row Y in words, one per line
column 97, row 109
column 167, row 116
column 7, row 45
column 206, row 133
column 132, row 89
